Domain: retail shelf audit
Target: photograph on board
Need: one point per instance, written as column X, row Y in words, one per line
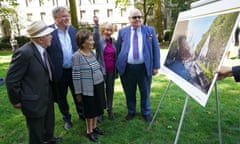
column 197, row 49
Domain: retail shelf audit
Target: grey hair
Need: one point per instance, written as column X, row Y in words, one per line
column 58, row 9
column 133, row 11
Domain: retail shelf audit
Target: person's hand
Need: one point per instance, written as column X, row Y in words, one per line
column 224, row 72
column 155, row 71
column 95, row 19
column 79, row 97
column 18, row 105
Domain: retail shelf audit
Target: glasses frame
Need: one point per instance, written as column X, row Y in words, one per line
column 136, row 17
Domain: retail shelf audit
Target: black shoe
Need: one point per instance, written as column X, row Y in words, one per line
column 67, row 125
column 92, row 137
column 100, row 118
column 147, row 118
column 98, row 131
column 129, row 116
column 53, row 140
column 111, row 115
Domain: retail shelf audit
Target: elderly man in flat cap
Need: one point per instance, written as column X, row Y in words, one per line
column 30, row 84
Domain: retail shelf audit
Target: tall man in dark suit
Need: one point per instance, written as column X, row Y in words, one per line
column 61, row 50
column 30, row 84
column 138, row 59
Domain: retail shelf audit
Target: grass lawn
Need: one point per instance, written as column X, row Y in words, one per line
column 199, row 126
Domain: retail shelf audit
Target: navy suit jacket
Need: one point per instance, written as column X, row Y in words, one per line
column 55, row 50
column 151, row 50
column 28, row 82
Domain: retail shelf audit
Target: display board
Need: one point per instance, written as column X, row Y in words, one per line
column 199, row 44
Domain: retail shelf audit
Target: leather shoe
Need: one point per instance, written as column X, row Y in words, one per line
column 147, row 118
column 98, row 131
column 53, row 140
column 92, row 137
column 129, row 116
column 67, row 125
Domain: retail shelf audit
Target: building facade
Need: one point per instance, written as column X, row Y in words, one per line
column 106, row 10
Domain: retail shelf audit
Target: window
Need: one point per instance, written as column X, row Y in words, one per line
column 95, row 12
column 26, row 1
column 82, row 13
column 67, row 4
column 40, row 3
column 29, row 16
column 123, row 11
column 43, row 14
column 123, row 25
column 109, row 13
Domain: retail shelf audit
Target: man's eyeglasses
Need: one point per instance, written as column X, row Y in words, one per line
column 136, row 17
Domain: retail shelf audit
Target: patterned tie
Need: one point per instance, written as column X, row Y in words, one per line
column 47, row 64
column 135, row 45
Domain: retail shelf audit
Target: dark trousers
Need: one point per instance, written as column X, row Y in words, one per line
column 109, row 89
column 135, row 75
column 63, row 85
column 42, row 128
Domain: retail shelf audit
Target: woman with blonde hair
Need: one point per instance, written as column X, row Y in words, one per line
column 106, row 52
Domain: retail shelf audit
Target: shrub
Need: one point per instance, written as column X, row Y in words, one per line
column 22, row 40
column 168, row 36
column 4, row 45
column 5, row 41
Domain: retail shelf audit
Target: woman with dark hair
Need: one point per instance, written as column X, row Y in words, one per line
column 88, row 82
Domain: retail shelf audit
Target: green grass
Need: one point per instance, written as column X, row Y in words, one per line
column 199, row 125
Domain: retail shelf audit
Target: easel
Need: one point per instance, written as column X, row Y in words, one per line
column 184, row 111
column 198, row 7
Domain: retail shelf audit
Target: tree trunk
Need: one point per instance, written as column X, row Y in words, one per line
column 158, row 19
column 6, row 28
column 73, row 10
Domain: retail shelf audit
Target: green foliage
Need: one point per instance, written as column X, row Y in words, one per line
column 168, row 35
column 4, row 45
column 206, row 71
column 219, row 33
column 5, row 41
column 13, row 3
column 22, row 40
column 122, row 3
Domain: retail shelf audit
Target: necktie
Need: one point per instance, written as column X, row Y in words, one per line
column 135, row 45
column 47, row 64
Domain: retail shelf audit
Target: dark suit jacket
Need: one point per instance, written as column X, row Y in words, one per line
column 151, row 50
column 236, row 73
column 28, row 81
column 55, row 50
